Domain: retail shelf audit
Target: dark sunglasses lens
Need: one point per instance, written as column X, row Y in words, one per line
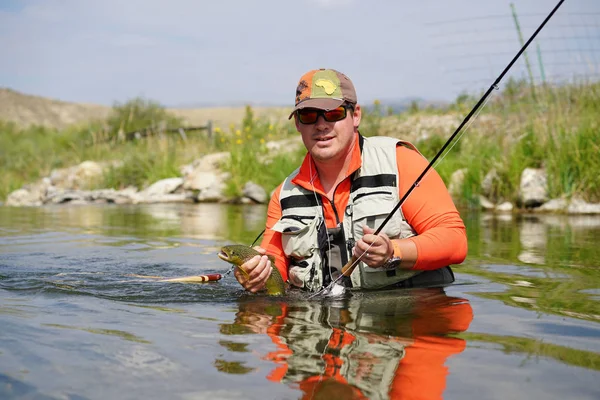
column 335, row 115
column 308, row 116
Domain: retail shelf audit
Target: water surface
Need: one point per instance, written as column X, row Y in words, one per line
column 79, row 320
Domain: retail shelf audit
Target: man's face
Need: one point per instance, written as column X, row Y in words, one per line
column 330, row 141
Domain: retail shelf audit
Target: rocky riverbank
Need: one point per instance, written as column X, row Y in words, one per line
column 203, row 181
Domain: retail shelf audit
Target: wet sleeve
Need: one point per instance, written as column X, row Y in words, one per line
column 441, row 236
column 272, row 240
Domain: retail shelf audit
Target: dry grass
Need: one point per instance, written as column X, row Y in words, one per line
column 26, row 110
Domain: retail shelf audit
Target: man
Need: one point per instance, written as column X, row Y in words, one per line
column 327, row 210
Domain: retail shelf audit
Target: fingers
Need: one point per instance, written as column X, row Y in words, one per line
column 373, row 250
column 258, row 269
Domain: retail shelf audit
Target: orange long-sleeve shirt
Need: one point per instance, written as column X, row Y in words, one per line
column 441, row 235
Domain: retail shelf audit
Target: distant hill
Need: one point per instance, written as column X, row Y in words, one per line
column 402, row 104
column 24, row 110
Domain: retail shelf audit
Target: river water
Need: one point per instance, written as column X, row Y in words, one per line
column 81, row 316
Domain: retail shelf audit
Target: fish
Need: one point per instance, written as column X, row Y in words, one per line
column 237, row 254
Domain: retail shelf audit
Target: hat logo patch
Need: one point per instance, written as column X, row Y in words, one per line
column 327, row 85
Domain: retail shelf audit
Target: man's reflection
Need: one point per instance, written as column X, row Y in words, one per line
column 390, row 344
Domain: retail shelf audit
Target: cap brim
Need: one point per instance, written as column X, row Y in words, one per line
column 320, row 104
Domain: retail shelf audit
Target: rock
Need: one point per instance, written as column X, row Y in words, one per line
column 489, row 184
column 58, row 177
column 580, row 206
column 485, row 203
column 33, row 194
column 456, row 182
column 200, row 180
column 505, row 207
column 254, row 192
column 68, row 196
column 84, row 174
column 160, row 198
column 212, row 194
column 210, row 162
column 78, row 177
column 554, row 205
column 23, row 197
column 162, row 187
column 533, row 189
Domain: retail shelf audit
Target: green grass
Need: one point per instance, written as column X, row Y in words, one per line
column 560, row 131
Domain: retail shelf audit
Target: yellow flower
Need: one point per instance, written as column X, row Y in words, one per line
column 222, row 140
column 217, row 130
column 377, row 102
column 262, row 141
column 231, row 126
column 239, row 141
column 270, row 127
column 247, row 129
column 238, row 133
column 249, row 136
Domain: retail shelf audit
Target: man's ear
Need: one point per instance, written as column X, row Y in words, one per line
column 356, row 116
column 296, row 122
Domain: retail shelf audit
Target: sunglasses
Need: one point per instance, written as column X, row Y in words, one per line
column 309, row 116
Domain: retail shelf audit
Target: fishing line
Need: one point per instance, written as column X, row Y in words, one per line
column 460, row 136
column 441, row 158
column 230, row 270
column 482, row 101
column 312, row 179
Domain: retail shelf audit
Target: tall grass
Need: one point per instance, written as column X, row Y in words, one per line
column 560, row 131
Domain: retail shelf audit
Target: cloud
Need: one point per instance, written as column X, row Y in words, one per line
column 328, row 4
column 185, row 51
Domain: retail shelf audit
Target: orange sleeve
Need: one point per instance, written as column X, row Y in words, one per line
column 272, row 240
column 441, row 235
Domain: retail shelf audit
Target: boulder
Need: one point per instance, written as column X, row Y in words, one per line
column 456, row 182
column 533, row 189
column 254, row 192
column 580, row 206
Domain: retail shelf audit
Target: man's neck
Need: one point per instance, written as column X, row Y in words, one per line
column 332, row 172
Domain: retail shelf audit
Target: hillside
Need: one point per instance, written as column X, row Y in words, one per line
column 25, row 110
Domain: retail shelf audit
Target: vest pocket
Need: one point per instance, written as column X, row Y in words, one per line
column 298, row 235
column 372, row 209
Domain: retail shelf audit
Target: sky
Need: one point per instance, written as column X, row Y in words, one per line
column 187, row 53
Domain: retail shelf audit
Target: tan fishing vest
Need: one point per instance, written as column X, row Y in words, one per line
column 316, row 253
column 310, row 327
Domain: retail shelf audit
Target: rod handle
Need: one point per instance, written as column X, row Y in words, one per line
column 349, row 267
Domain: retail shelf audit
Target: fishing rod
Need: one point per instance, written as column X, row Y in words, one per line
column 349, row 267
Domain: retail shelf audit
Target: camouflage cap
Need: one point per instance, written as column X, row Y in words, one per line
column 324, row 89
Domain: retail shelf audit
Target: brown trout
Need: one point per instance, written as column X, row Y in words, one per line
column 238, row 254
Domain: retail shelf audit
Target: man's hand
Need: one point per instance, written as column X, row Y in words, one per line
column 373, row 250
column 258, row 269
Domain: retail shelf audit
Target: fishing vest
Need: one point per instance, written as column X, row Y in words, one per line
column 343, row 332
column 317, row 253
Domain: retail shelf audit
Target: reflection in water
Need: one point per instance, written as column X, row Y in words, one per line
column 75, row 323
column 533, row 242
column 389, row 344
column 560, row 254
column 193, row 221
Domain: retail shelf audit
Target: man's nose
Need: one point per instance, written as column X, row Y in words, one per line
column 321, row 123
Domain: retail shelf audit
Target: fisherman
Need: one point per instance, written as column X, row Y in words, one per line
column 328, row 209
